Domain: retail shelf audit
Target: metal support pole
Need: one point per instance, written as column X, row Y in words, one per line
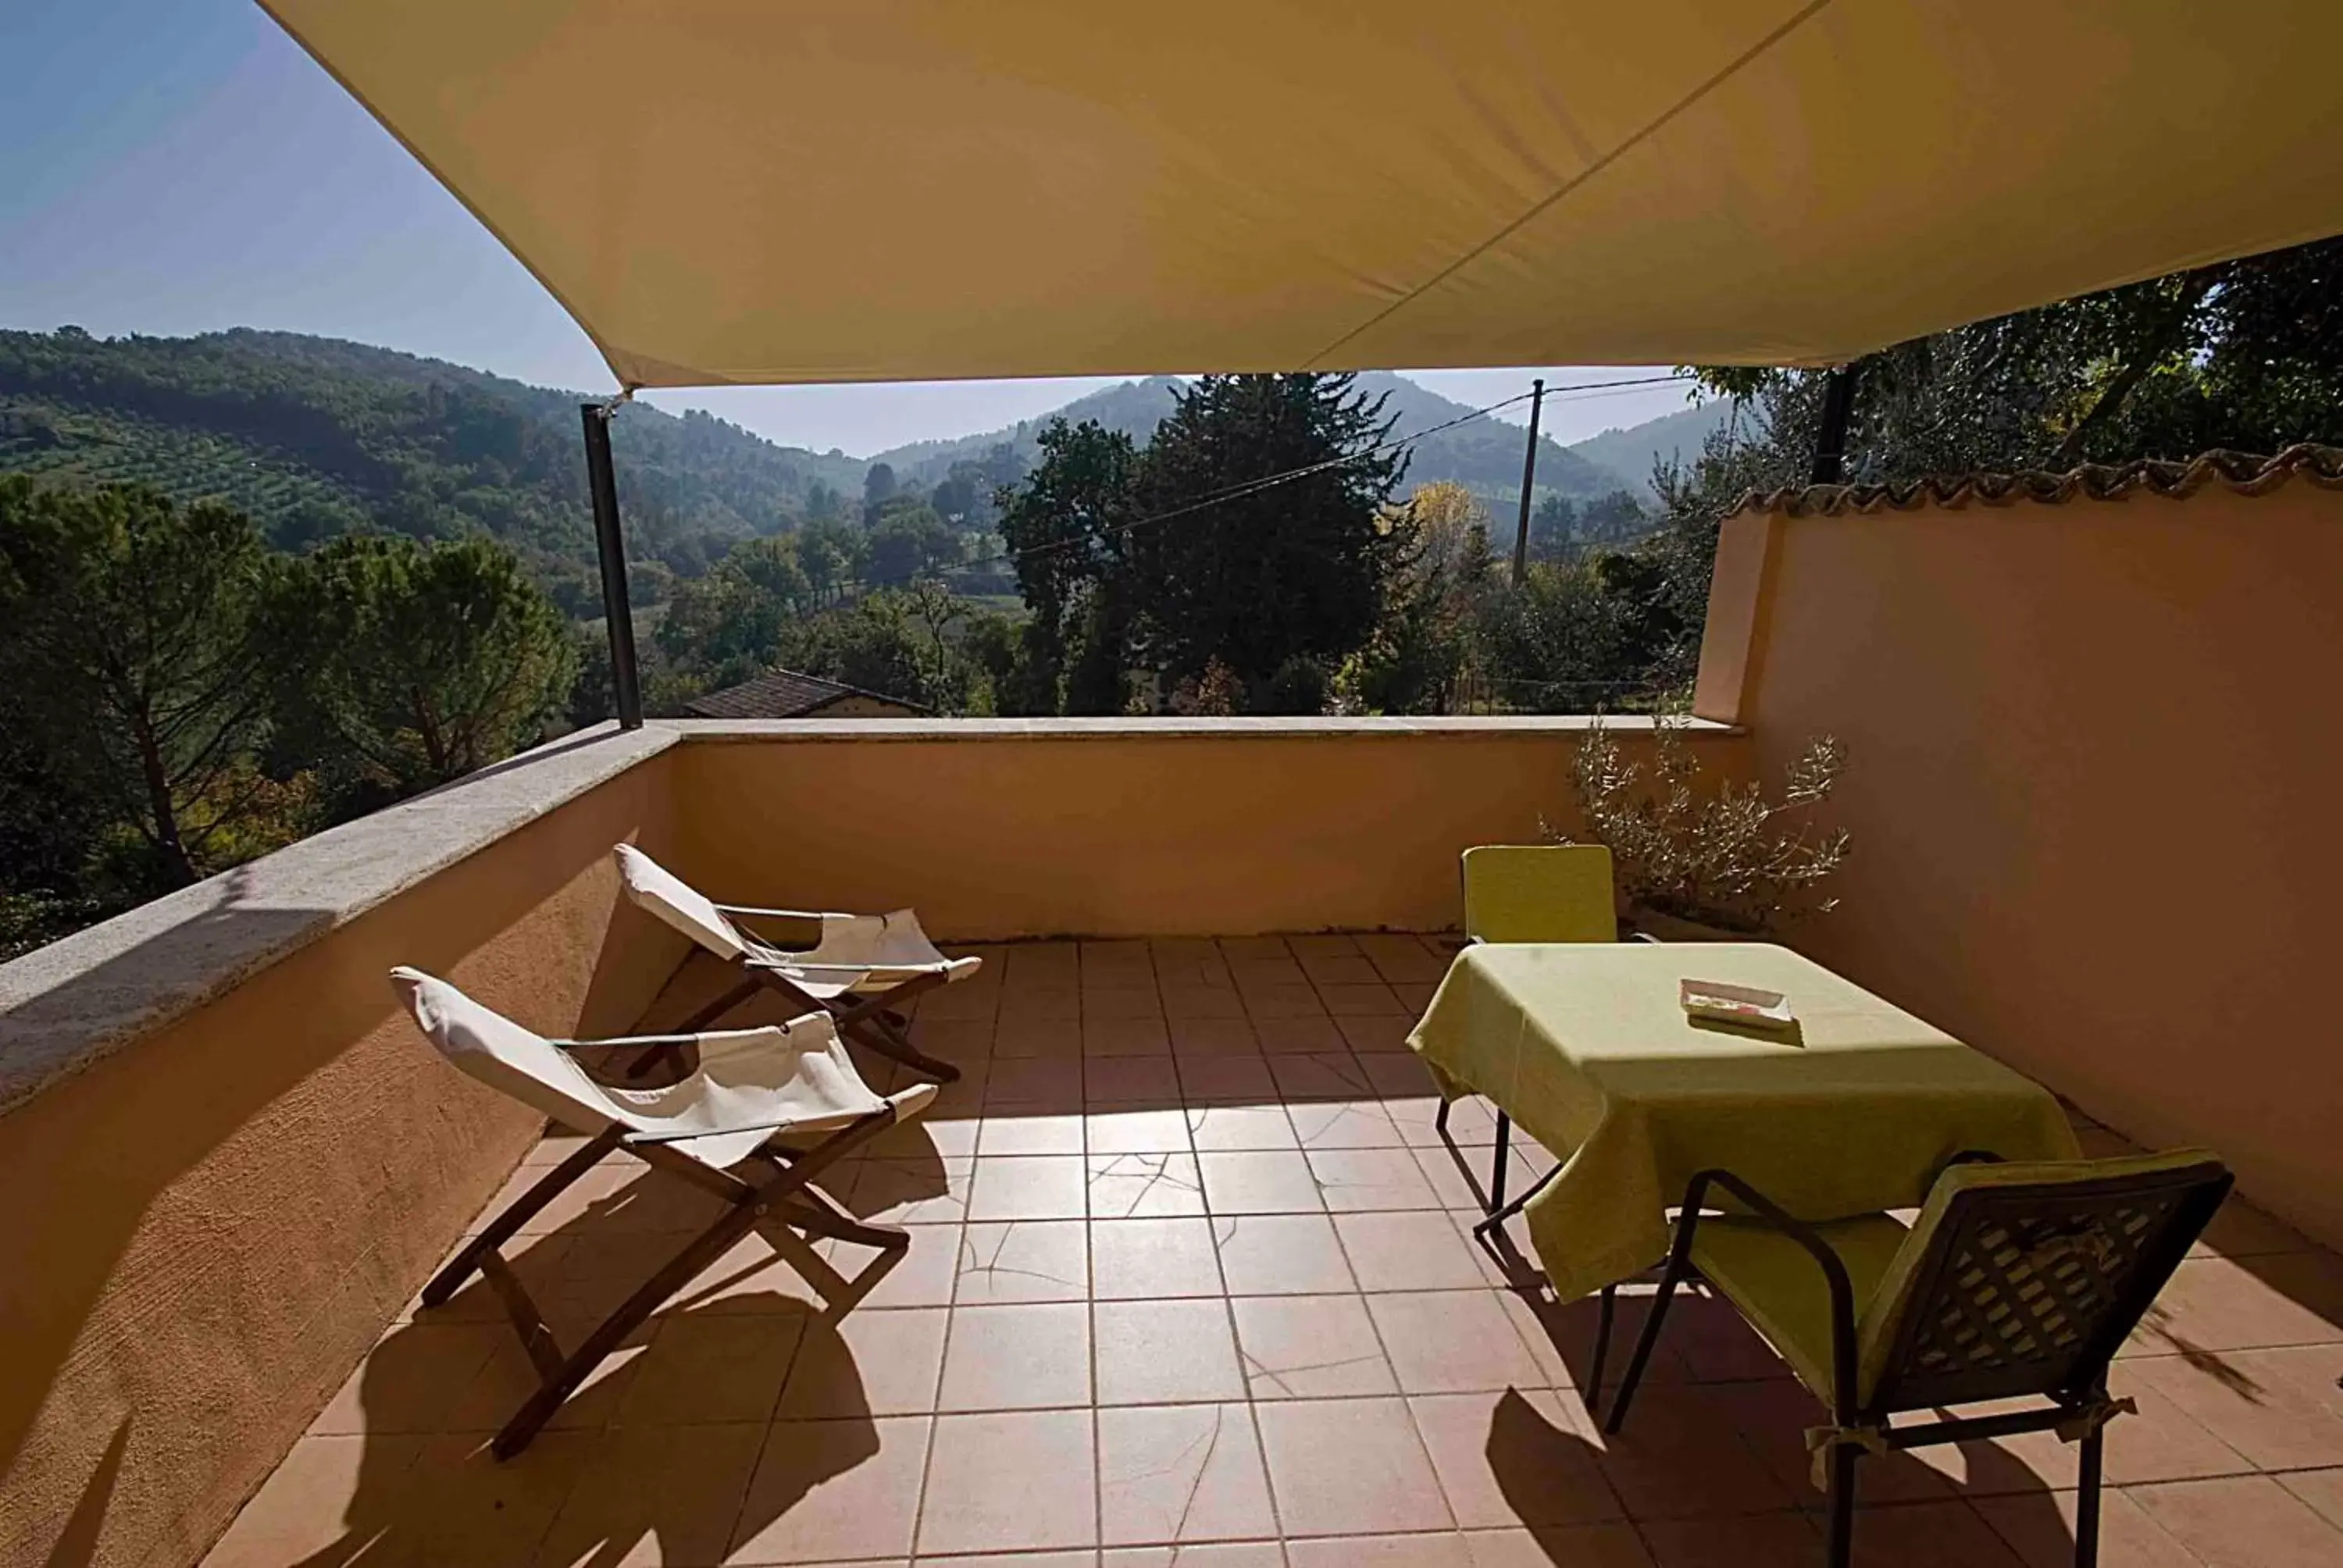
column 1830, row 443
column 1529, row 478
column 611, row 546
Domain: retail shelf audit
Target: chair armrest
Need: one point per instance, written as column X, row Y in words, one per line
column 1841, row 1290
column 629, row 1042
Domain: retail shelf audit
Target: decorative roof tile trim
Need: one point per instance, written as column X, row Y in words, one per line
column 2243, row 473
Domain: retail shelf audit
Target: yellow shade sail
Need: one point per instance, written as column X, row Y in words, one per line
column 747, row 191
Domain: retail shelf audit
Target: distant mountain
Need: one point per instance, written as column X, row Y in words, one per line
column 1484, row 455
column 314, row 437
column 1631, row 453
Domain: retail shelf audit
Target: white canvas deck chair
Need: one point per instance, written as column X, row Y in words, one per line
column 863, row 966
column 720, row 1128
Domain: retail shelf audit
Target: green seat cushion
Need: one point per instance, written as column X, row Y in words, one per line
column 1779, row 1287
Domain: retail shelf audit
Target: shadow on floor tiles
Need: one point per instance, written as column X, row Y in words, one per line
column 76, row 1544
column 428, row 1491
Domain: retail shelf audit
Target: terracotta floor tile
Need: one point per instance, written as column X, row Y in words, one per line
column 1310, row 1347
column 957, row 1040
column 1241, row 1127
column 1945, row 1534
column 868, row 1278
column 1419, row 1249
column 1181, row 1474
column 2281, row 1409
column 1028, row 1187
column 868, row 1363
column 1160, row 1131
column 1322, row 1075
column 1379, row 1034
column 1401, row 958
column 1125, row 1037
column 909, row 1192
column 1343, row 1124
column 721, row 1368
column 507, row 1378
column 2217, row 1304
column 1235, row 948
column 1027, row 1357
column 1226, row 1554
column 1012, row 1133
column 980, row 1492
column 1471, row 1122
column 1024, row 1261
column 833, row 1490
column 1349, row 1467
column 1117, row 1080
column 1268, row 1004
column 1340, row 968
column 1269, row 971
column 324, row 1501
column 413, row 1378
column 1044, row 962
column 1760, row 1541
column 1680, row 1458
column 1037, row 1084
column 1203, row 1004
column 772, row 1271
column 1372, row 999
column 2242, row 1521
column 1134, row 999
column 1558, row 1546
column 2241, row 1231
column 1452, row 1342
column 1054, row 1039
column 1210, row 1080
column 1026, row 1005
column 1280, row 1255
column 1512, row 1457
column 1443, row 1549
column 470, row 1507
column 1363, row 1179
column 1144, row 1186
column 644, row 1498
column 1773, row 1419
column 2322, row 1489
column 1164, row 1352
column 1259, row 1182
column 1300, row 1034
column 2039, row 1527
column 1151, row 1259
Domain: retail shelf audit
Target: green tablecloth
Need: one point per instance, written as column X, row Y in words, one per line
column 1586, row 1047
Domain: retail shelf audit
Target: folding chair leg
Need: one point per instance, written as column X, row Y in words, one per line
column 1602, row 1348
column 1646, row 1342
column 523, row 1208
column 1841, row 1553
column 867, row 1022
column 887, row 1041
column 1497, row 1164
column 703, row 1250
column 2087, row 1502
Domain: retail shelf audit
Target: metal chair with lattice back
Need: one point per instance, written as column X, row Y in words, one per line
column 2017, row 1280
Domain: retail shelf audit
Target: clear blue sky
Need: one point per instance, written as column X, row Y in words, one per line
column 173, row 166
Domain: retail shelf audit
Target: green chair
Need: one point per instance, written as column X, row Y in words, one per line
column 2017, row 1281
column 1532, row 893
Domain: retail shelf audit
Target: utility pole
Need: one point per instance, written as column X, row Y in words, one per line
column 610, row 545
column 1830, row 442
column 1529, row 478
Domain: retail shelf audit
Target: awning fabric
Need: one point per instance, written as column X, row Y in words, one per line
column 742, row 191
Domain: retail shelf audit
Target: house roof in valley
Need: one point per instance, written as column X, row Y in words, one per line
column 787, row 694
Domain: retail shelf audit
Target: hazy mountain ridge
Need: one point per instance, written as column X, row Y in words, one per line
column 1483, row 455
column 1632, row 452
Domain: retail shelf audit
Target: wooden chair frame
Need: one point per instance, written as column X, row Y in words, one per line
column 875, row 1021
column 783, row 1190
column 2079, row 1408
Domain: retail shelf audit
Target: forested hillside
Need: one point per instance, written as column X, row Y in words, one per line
column 313, row 437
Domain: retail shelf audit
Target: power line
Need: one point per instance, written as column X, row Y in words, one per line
column 1267, row 481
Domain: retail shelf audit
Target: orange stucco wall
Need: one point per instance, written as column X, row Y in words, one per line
column 205, row 1230
column 1000, row 834
column 2093, row 766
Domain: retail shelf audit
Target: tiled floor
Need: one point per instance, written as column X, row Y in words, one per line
column 1191, row 1283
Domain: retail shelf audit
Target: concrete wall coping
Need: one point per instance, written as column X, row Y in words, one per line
column 71, row 1004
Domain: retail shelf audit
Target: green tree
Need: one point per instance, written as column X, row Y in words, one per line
column 908, row 540
column 138, row 667
column 1065, row 526
column 1293, row 568
column 424, row 662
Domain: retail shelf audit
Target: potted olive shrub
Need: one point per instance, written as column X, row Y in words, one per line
column 1700, row 862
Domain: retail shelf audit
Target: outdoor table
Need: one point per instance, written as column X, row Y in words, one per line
column 1587, row 1048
